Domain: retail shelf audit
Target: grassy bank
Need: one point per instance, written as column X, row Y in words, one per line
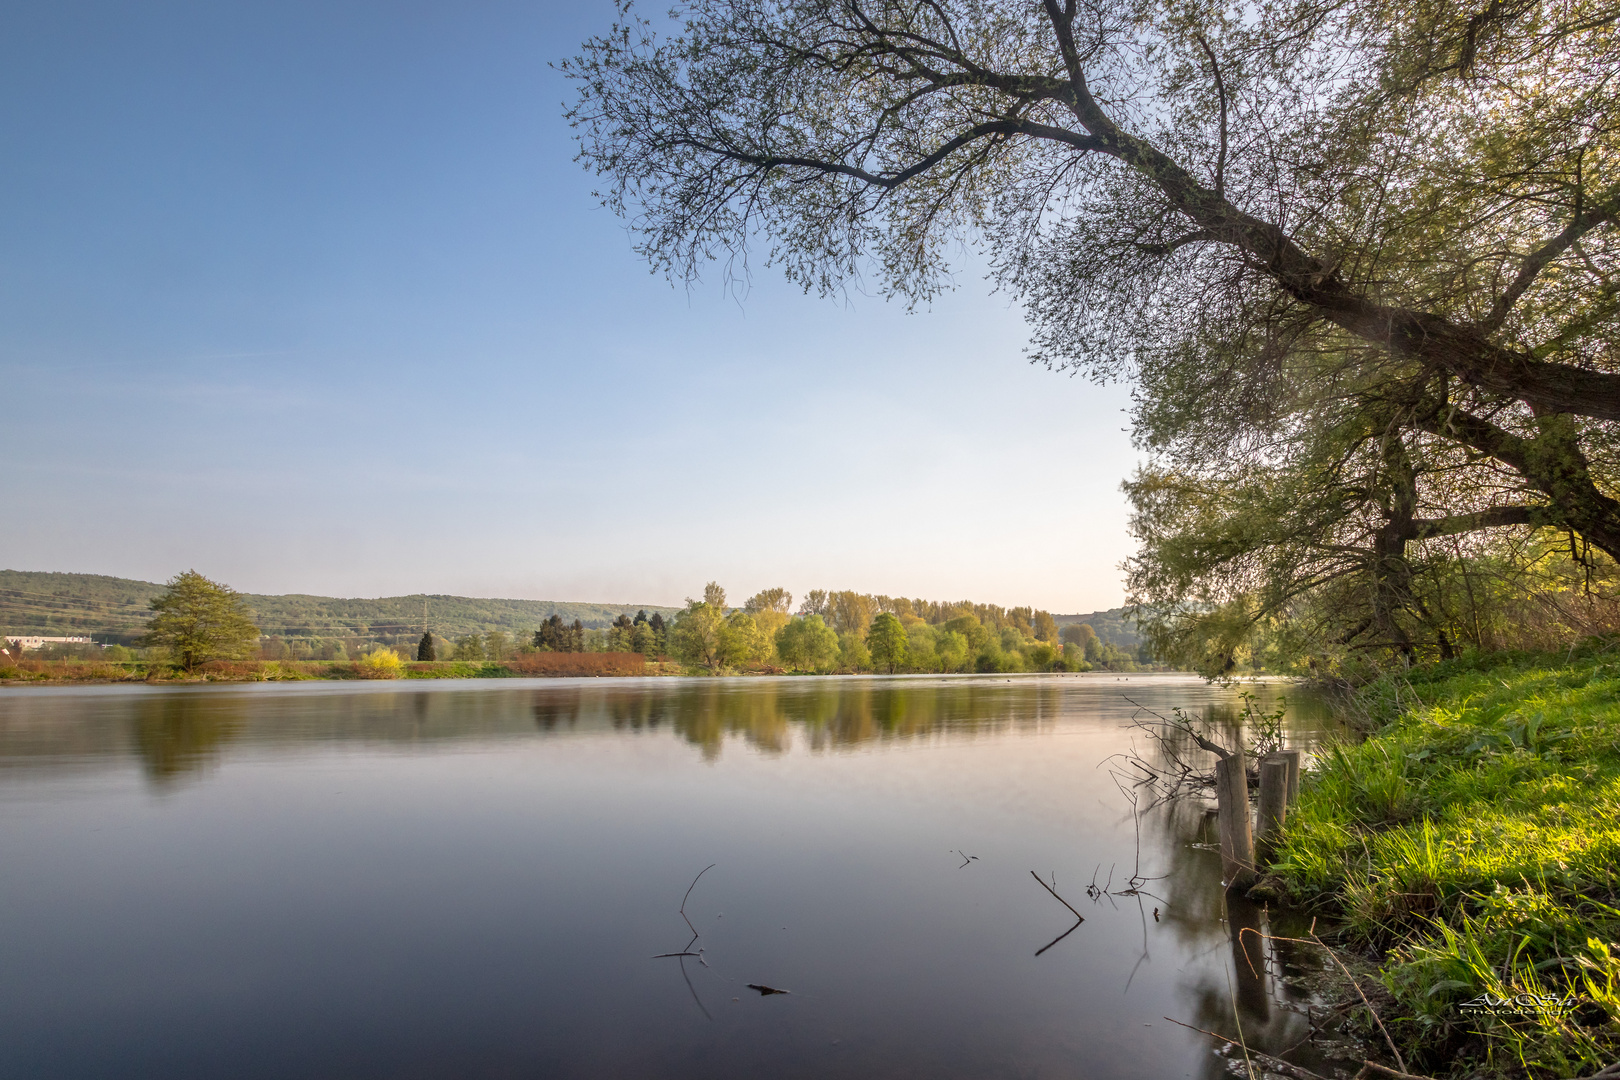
column 541, row 664
column 1472, row 842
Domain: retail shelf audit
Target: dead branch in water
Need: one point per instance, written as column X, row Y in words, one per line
column 680, row 957
column 1078, row 918
column 1266, row 1061
column 688, row 896
column 1053, row 891
column 1384, row 1070
column 1170, row 775
column 1372, row 1068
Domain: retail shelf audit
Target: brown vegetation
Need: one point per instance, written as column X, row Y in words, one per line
column 581, row 663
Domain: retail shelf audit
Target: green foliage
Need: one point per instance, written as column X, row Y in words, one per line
column 425, row 649
column 1476, row 834
column 705, row 636
column 114, row 609
column 922, row 647
column 1358, row 257
column 198, row 620
column 770, row 609
column 853, row 654
column 555, row 635
column 497, row 646
column 1266, row 726
column 886, row 642
column 807, row 644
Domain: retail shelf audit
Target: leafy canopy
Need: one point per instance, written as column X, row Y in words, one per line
column 199, row 620
column 1358, row 256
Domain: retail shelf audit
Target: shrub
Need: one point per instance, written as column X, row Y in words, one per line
column 381, row 663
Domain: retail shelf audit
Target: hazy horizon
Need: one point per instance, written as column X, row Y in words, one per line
column 314, row 298
column 732, row 599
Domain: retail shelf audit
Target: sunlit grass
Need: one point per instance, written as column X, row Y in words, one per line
column 1476, row 836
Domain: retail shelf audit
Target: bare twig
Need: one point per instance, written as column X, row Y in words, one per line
column 688, row 896
column 1312, row 939
column 1060, row 937
column 1220, row 86
column 1269, row 1063
column 1353, row 982
column 1060, row 899
column 680, row 957
column 1369, row 1068
column 1214, row 748
column 1248, row 1062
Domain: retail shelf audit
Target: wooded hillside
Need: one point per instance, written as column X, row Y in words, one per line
column 116, row 609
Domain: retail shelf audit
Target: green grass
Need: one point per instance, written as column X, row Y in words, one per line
column 1474, row 838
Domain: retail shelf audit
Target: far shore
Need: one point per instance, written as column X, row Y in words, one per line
column 532, row 665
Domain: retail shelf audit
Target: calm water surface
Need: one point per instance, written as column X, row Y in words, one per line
column 472, row 879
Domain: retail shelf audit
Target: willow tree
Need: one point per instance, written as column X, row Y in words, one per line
column 1350, row 232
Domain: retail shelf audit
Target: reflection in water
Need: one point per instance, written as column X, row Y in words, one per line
column 1249, row 1003
column 829, row 713
column 541, row 832
column 179, row 734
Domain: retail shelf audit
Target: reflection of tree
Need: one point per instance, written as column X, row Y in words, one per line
column 827, row 713
column 556, row 707
column 842, row 713
column 181, row 733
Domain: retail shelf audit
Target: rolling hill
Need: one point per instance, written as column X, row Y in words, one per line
column 114, row 609
column 1113, row 626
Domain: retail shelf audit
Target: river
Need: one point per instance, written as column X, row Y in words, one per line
column 474, row 879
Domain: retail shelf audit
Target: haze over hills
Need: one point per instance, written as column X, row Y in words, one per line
column 115, row 610
column 1113, row 626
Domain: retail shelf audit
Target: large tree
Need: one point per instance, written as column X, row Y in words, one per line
column 1374, row 236
column 199, row 620
column 886, row 641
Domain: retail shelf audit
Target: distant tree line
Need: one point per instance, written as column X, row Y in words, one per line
column 851, row 631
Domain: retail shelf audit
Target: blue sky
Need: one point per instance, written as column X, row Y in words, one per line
column 312, row 297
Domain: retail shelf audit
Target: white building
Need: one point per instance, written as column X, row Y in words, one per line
column 40, row 642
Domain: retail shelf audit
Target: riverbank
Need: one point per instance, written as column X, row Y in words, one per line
column 1471, row 845
column 559, row 665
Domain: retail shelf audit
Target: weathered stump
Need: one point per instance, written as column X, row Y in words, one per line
column 1273, row 803
column 1237, row 839
column 1293, row 759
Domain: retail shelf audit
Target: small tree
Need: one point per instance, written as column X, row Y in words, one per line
column 699, row 636
column 852, row 653
column 808, row 644
column 886, row 641
column 425, row 649
column 199, row 620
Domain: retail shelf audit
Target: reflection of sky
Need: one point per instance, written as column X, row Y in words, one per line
column 312, row 296
column 346, row 883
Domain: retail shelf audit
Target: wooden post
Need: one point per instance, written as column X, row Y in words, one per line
column 1293, row 759
column 1273, row 802
column 1237, row 840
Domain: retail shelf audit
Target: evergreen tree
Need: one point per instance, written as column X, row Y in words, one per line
column 425, row 649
